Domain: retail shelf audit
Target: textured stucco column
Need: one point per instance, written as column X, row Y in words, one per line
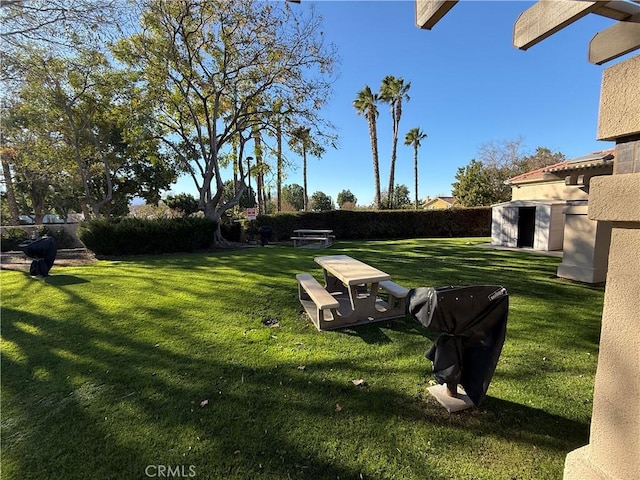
column 613, row 452
column 619, row 103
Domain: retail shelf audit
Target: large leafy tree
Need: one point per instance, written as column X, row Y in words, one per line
column 57, row 23
column 399, row 197
column 321, row 202
column 542, row 157
column 72, row 118
column 293, row 195
column 366, row 105
column 473, row 186
column 46, row 42
column 482, row 181
column 183, row 202
column 346, row 197
column 413, row 138
column 393, row 91
column 30, row 154
column 210, row 68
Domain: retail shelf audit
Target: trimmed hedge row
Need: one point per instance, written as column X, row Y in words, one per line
column 362, row 225
column 12, row 237
column 136, row 236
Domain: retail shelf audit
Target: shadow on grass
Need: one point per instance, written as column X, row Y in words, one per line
column 374, row 334
column 88, row 397
column 64, row 280
column 65, row 408
column 69, row 387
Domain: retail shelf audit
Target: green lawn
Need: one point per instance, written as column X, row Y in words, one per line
column 105, row 368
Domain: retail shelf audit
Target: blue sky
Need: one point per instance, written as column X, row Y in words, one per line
column 469, row 86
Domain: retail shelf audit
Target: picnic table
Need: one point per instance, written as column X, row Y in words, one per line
column 307, row 237
column 352, row 294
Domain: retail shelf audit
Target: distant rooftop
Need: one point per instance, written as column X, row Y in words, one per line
column 590, row 160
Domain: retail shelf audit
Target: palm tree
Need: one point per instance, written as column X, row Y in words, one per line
column 413, row 137
column 277, row 120
column 393, row 91
column 365, row 104
column 302, row 142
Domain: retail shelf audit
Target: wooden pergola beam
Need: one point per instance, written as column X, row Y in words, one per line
column 429, row 12
column 547, row 17
column 615, row 41
column 618, row 10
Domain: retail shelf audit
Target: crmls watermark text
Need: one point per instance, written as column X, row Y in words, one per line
column 170, row 471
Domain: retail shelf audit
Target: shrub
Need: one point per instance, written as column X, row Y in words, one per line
column 367, row 224
column 13, row 237
column 135, row 236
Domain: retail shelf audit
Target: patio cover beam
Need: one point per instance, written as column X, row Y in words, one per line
column 547, row 17
column 429, row 12
column 615, row 41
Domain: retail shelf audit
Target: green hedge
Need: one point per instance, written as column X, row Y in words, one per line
column 362, row 225
column 135, row 236
column 11, row 238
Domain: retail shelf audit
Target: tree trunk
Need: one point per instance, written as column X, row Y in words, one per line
column 11, row 195
column 211, row 212
column 374, row 151
column 415, row 172
column 279, row 169
column 304, row 178
column 259, row 174
column 392, row 170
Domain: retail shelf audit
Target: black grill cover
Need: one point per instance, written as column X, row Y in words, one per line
column 43, row 250
column 473, row 323
column 265, row 232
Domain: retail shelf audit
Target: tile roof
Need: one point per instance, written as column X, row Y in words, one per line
column 586, row 161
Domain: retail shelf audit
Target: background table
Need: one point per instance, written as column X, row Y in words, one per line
column 309, row 237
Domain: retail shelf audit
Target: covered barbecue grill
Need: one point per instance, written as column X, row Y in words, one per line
column 472, row 321
column 43, row 250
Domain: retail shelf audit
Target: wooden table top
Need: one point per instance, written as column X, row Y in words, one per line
column 309, row 230
column 351, row 271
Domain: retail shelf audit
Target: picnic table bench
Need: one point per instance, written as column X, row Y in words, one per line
column 306, row 237
column 354, row 293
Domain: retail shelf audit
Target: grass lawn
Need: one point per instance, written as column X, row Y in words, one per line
column 163, row 367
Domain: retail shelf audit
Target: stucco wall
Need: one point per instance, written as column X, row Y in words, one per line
column 545, row 191
column 620, row 101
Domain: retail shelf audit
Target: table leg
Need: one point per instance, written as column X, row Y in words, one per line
column 332, row 284
column 364, row 304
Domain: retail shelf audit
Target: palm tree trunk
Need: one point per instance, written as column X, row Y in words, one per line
column 415, row 172
column 397, row 113
column 376, row 164
column 279, row 168
column 392, row 170
column 304, row 178
column 259, row 179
